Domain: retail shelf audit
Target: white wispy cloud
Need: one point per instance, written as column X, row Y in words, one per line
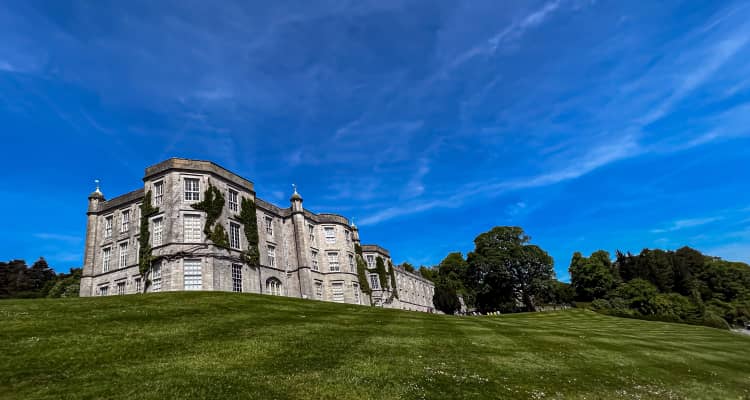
column 686, row 223
column 59, row 237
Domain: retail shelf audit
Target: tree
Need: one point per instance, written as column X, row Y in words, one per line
column 445, row 299
column 640, row 295
column 506, row 272
column 407, row 267
column 592, row 278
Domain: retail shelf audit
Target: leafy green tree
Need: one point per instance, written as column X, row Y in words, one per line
column 445, row 299
column 407, row 267
column 592, row 278
column 640, row 295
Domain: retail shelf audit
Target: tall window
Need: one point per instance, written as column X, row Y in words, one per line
column 311, row 232
column 330, row 234
column 156, row 277
column 348, row 235
column 333, row 262
column 337, row 292
column 120, row 288
column 108, row 227
column 158, row 193
column 157, row 240
column 233, row 200
column 370, row 261
column 103, row 290
column 123, row 255
column 319, row 290
column 192, row 189
column 125, row 223
column 106, row 254
column 351, row 263
column 193, row 274
column 234, row 235
column 138, row 285
column 192, row 228
column 314, row 259
column 236, row 277
column 269, row 225
column 273, row 286
column 355, row 288
column 271, row 256
column 374, row 281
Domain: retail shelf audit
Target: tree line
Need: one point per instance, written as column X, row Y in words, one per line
column 18, row 280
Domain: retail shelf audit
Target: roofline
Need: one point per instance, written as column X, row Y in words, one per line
column 187, row 164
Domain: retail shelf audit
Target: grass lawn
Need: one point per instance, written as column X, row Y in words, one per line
column 224, row 345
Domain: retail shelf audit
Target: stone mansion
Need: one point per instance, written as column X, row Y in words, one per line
column 302, row 254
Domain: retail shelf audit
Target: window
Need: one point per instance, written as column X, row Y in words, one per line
column 319, row 290
column 333, row 262
column 370, row 261
column 123, row 255
column 192, row 189
column 104, row 290
column 137, row 251
column 273, row 286
column 106, row 253
column 120, row 288
column 193, row 274
column 374, row 281
column 348, row 236
column 108, row 227
column 125, row 223
column 191, row 225
column 233, row 200
column 269, row 225
column 355, row 288
column 158, row 193
column 156, row 277
column 337, row 292
column 314, row 259
column 311, row 232
column 157, row 232
column 137, row 216
column 236, row 277
column 138, row 285
column 351, row 263
column 271, row 256
column 234, row 235
column 330, row 234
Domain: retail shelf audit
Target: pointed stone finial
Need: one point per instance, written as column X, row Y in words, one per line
column 96, row 181
column 295, row 195
column 295, row 188
column 352, row 224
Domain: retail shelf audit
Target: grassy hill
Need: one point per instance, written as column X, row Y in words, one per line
column 224, row 345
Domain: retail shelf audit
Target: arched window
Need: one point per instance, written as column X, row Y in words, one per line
column 273, row 286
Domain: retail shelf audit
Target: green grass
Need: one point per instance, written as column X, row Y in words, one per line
column 223, row 345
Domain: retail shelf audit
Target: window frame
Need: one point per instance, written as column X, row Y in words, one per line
column 269, row 224
column 335, row 297
column 191, row 194
column 194, row 280
column 235, row 241
column 157, row 222
column 233, row 197
column 108, row 222
column 158, row 193
column 192, row 233
column 329, row 239
column 106, row 258
column 314, row 260
column 333, row 262
column 156, row 277
column 124, row 220
column 122, row 256
column 237, row 278
column 271, row 255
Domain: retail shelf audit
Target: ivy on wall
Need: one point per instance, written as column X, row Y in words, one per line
column 212, row 205
column 391, row 272
column 145, row 258
column 382, row 274
column 364, row 284
column 249, row 220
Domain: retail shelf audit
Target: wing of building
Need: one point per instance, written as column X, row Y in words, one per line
column 301, row 254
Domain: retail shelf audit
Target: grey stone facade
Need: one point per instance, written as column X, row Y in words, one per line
column 302, row 254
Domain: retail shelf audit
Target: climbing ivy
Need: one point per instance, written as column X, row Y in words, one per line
column 212, row 205
column 364, row 284
column 382, row 274
column 145, row 258
column 249, row 220
column 394, row 292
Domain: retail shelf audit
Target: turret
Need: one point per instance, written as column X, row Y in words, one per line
column 302, row 245
column 355, row 233
column 95, row 198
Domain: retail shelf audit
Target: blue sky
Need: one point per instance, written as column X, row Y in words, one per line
column 591, row 124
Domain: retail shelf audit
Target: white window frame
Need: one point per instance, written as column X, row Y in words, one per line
column 370, row 261
column 318, row 290
column 123, row 255
column 355, row 288
column 337, row 291
column 108, row 221
column 237, row 278
column 273, row 286
column 191, row 188
column 120, row 288
column 271, row 254
column 348, row 235
column 156, row 277
column 124, row 221
column 138, row 284
column 374, row 281
column 191, row 228
column 192, row 271
column 269, row 224
column 104, row 290
column 333, row 261
column 351, row 263
column 158, row 234
column 311, row 232
column 314, row 260
column 233, row 197
column 158, row 193
column 330, row 239
column 106, row 258
column 234, row 236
